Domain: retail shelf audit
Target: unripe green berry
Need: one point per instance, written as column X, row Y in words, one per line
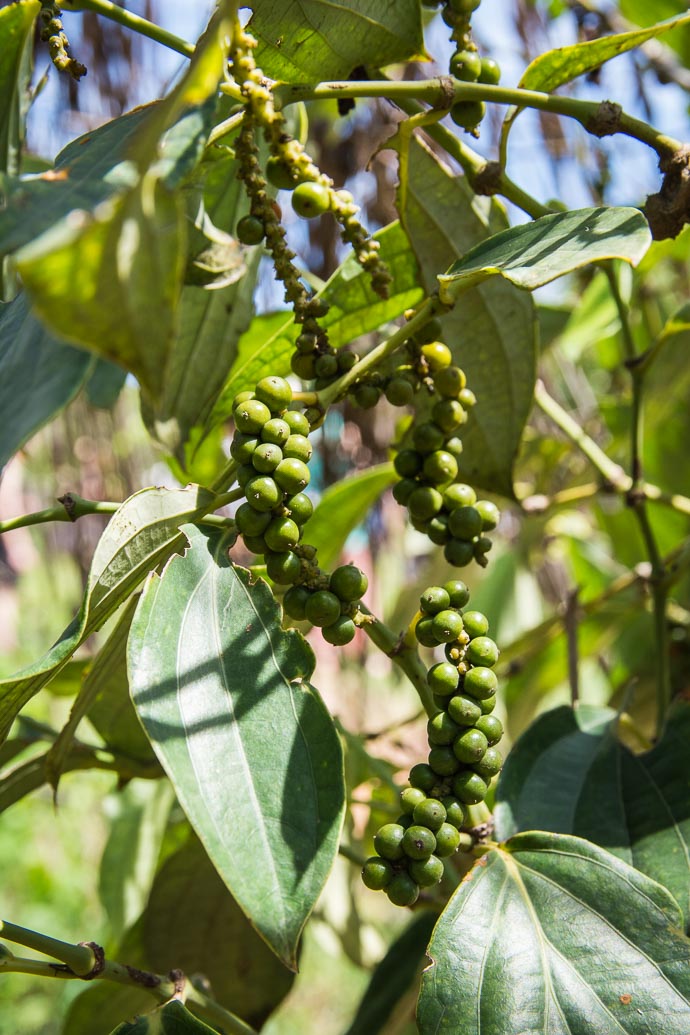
column 262, row 492
column 424, row 502
column 298, row 447
column 366, row 396
column 464, row 710
column 303, row 366
column 424, row 632
column 430, row 814
column 282, row 534
column 470, row 746
column 489, row 765
column 250, row 521
column 437, row 355
column 266, row 457
column 437, row 529
column 465, row 523
column 295, row 602
column 388, row 841
column 408, row 463
column 418, row 842
column 467, row 398
column 426, row 872
column 402, row 490
column 458, row 552
column 447, row 840
column 410, row 797
column 480, row 683
column 468, row 114
column 440, row 467
column 275, row 392
column 242, row 447
column 377, row 873
column 402, row 890
column 454, row 445
column 254, row 543
column 341, row 632
column 433, row 600
column 482, row 651
column 276, row 431
column 458, row 495
column 490, row 71
column 443, row 761
column 447, row 625
column 458, row 593
column 250, row 230
column 492, row 728
column 300, row 506
column 348, row 583
column 311, row 199
column 455, row 811
column 281, row 173
column 399, row 392
column 283, row 567
column 427, row 437
column 469, row 787
column 240, row 398
column 450, row 382
column 476, row 624
column 296, row 422
column 441, row 730
column 292, row 475
column 326, row 366
column 490, row 514
column 487, row 704
column 423, row 777
column 466, row 65
column 323, row 608
column 448, row 414
column 250, row 416
column 443, row 679
column 306, row 343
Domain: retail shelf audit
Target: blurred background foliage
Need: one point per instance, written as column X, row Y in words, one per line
column 562, row 558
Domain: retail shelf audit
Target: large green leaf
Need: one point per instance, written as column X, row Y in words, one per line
column 551, row 935
column 143, row 532
column 208, row 933
column 316, row 39
column 16, row 25
column 172, row 1018
column 536, row 253
column 569, row 774
column 342, row 507
column 492, row 330
column 39, row 375
column 223, row 694
column 355, row 309
column 395, row 978
column 646, row 12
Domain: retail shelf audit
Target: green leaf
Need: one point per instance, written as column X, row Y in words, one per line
column 645, row 12
column 550, row 934
column 492, row 332
column 342, row 507
column 395, row 978
column 142, row 533
column 16, row 33
column 39, row 374
column 138, row 816
column 555, row 67
column 536, row 253
column 104, row 384
column 355, row 309
column 568, row 773
column 208, row 933
column 224, row 697
column 315, row 39
column 171, row 1019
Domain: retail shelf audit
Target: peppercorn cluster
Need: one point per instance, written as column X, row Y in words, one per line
column 462, row 756
column 439, row 503
column 53, row 34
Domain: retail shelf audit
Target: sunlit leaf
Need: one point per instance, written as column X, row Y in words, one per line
column 551, row 934
column 224, row 697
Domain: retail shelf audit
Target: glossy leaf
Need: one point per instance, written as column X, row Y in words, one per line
column 16, row 30
column 342, row 507
column 552, row 935
column 569, row 774
column 142, row 533
column 533, row 254
column 172, row 1018
column 555, row 67
column 224, row 697
column 207, row 932
column 315, row 39
column 355, row 309
column 395, row 978
column 491, row 332
column 39, row 375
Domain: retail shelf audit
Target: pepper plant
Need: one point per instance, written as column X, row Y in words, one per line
column 547, row 894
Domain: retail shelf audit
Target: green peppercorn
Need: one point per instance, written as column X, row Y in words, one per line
column 423, row 777
column 482, row 651
column 402, row 890
column 464, row 710
column 295, row 602
column 323, row 608
column 458, row 553
column 250, row 230
column 433, row 600
column 469, row 787
column 443, row 761
column 283, row 567
column 408, row 463
column 429, row 813
column 300, row 507
column 410, row 797
column 275, row 392
column 377, row 873
column 349, row 583
column 480, row 682
column 492, row 728
column 311, row 199
column 424, row 632
column 447, row 625
column 266, row 457
column 458, row 594
column 250, row 416
column 441, row 729
column 443, row 678
column 476, row 624
column 426, row 872
column 388, row 841
column 296, row 422
column 276, row 431
column 341, row 632
column 470, row 746
column 262, row 492
column 437, row 355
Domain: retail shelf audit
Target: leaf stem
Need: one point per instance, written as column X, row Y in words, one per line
column 88, row 962
column 444, row 91
column 132, row 21
column 401, row 654
column 429, row 308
